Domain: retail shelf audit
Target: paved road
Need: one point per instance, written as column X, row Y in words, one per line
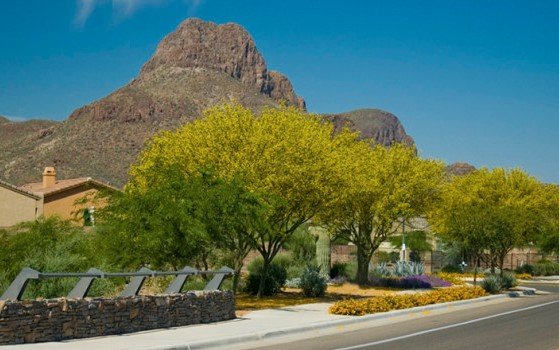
column 525, row 323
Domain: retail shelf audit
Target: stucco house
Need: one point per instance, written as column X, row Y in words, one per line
column 48, row 197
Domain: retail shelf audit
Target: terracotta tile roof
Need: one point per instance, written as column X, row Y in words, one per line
column 21, row 190
column 62, row 185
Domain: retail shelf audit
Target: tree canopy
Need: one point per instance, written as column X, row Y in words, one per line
column 383, row 188
column 290, row 158
column 492, row 211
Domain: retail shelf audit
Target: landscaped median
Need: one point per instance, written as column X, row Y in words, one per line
column 360, row 307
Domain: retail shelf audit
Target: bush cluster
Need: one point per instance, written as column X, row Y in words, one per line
column 400, row 269
column 541, row 268
column 396, row 302
column 273, row 281
column 494, row 284
column 313, row 282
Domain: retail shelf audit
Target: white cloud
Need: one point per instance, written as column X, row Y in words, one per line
column 128, row 7
column 85, row 8
column 123, row 8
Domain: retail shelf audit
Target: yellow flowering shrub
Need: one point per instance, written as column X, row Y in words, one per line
column 404, row 301
column 523, row 276
column 454, row 278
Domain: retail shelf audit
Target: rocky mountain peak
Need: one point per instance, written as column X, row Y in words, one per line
column 226, row 48
column 459, row 169
column 375, row 124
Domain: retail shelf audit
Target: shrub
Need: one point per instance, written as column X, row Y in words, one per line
column 546, row 268
column 508, row 280
column 284, row 260
column 339, row 269
column 313, row 283
column 526, row 268
column 50, row 245
column 451, row 269
column 492, row 284
column 383, row 270
column 274, row 280
column 523, row 276
column 454, row 278
column 401, row 269
column 293, row 283
column 294, row 271
column 396, row 302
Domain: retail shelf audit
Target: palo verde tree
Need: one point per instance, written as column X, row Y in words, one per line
column 284, row 154
column 548, row 239
column 383, row 189
column 489, row 212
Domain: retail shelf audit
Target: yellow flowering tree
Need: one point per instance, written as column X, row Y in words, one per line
column 492, row 211
column 286, row 156
column 384, row 188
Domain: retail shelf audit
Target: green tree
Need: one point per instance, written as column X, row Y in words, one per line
column 489, row 212
column 184, row 219
column 232, row 216
column 159, row 226
column 285, row 155
column 384, row 188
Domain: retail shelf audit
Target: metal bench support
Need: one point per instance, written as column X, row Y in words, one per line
column 135, row 284
column 177, row 284
column 16, row 289
column 218, row 278
column 84, row 284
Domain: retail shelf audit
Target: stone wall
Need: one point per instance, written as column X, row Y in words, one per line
column 59, row 319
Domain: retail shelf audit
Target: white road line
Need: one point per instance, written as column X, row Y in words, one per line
column 446, row 327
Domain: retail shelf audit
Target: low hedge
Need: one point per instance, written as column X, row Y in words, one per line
column 361, row 307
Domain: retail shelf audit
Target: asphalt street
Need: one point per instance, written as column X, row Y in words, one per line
column 530, row 322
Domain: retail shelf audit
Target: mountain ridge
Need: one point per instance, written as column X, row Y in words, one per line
column 198, row 65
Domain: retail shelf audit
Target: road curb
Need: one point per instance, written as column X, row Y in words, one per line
column 244, row 338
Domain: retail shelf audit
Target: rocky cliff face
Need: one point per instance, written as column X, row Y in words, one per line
column 383, row 127
column 226, row 48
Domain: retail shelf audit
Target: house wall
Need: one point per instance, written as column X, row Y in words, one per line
column 63, row 203
column 16, row 207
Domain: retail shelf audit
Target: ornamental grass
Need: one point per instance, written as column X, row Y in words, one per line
column 362, row 307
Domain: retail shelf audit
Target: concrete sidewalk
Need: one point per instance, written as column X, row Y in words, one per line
column 257, row 325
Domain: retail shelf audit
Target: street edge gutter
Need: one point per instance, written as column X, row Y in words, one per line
column 245, row 338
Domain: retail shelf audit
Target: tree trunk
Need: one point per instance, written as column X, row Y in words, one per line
column 476, row 263
column 501, row 263
column 363, row 259
column 263, row 276
column 236, row 279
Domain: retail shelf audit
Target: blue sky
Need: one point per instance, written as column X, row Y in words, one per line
column 474, row 81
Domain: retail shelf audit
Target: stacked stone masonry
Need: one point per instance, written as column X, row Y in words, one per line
column 36, row 321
